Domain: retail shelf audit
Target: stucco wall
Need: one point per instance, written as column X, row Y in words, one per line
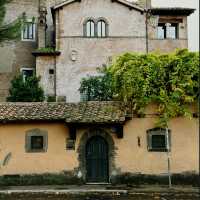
column 44, row 64
column 129, row 156
column 56, row 159
column 184, row 148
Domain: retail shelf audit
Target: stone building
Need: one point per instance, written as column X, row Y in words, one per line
column 84, row 35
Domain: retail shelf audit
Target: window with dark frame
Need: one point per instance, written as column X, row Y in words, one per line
column 28, row 32
column 26, row 73
column 158, row 140
column 37, row 142
column 167, row 31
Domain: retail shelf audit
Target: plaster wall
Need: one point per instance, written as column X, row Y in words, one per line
column 55, row 160
column 129, row 157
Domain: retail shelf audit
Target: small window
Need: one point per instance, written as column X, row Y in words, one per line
column 36, row 141
column 28, row 31
column 90, row 28
column 159, row 140
column 27, row 72
column 51, row 71
column 101, row 27
column 167, row 31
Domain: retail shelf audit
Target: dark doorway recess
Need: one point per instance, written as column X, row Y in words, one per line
column 97, row 163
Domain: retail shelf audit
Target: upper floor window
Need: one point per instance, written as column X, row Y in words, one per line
column 101, row 28
column 28, row 31
column 167, row 31
column 90, row 28
column 95, row 28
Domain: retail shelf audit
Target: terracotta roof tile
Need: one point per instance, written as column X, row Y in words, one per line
column 84, row 112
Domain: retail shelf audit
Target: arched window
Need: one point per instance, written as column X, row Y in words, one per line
column 90, row 28
column 101, row 28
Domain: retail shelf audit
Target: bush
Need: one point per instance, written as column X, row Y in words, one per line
column 25, row 90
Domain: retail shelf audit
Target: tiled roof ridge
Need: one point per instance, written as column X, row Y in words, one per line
column 82, row 112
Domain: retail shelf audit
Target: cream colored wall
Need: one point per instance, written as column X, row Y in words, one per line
column 55, row 160
column 129, row 156
column 184, row 148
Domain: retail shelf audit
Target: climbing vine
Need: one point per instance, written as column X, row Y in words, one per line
column 168, row 80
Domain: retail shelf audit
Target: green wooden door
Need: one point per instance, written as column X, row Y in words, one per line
column 97, row 160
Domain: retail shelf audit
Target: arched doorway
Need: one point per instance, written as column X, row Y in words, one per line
column 97, row 161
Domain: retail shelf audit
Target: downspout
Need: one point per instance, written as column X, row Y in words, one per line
column 55, row 56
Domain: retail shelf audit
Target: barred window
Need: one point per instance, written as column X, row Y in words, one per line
column 159, row 139
column 36, row 141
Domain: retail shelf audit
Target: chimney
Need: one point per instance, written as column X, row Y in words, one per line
column 42, row 27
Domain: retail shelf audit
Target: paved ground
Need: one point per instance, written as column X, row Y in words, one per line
column 103, row 192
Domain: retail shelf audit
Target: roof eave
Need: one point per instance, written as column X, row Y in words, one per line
column 171, row 11
column 123, row 2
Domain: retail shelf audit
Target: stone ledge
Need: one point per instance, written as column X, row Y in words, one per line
column 47, row 53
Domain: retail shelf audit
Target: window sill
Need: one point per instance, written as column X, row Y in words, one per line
column 95, row 37
column 27, row 40
column 167, row 38
column 36, row 151
column 158, row 150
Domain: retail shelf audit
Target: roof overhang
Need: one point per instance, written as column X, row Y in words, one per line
column 123, row 2
column 70, row 113
column 172, row 11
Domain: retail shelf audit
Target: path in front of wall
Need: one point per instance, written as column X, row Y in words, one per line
column 90, row 192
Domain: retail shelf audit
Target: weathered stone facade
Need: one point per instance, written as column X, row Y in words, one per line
column 128, row 25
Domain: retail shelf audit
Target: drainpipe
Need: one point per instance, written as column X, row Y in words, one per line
column 148, row 4
column 168, row 159
column 54, row 46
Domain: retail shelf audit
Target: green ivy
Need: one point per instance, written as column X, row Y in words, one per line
column 169, row 80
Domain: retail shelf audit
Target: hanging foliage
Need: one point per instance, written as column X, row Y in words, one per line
column 169, row 80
